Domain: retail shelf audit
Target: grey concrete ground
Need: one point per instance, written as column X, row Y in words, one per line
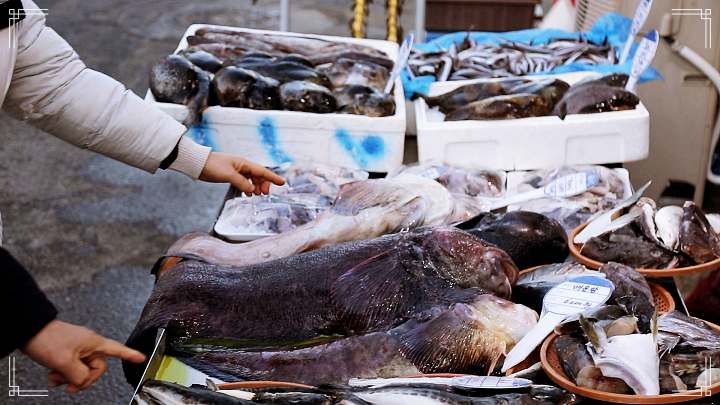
column 90, row 228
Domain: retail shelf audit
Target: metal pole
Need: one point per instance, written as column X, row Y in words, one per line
column 419, row 21
column 284, row 15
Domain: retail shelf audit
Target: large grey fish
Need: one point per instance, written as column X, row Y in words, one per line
column 362, row 210
column 629, row 246
column 520, row 105
column 632, row 292
column 202, row 59
column 177, row 80
column 338, row 290
column 308, row 97
column 468, row 337
column 545, row 395
column 345, row 72
column 595, row 98
column 238, row 87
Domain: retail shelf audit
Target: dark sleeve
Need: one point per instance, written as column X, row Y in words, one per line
column 24, row 307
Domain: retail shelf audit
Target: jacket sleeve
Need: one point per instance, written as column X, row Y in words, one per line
column 26, row 310
column 54, row 90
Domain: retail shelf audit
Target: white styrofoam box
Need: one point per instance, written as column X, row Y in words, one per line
column 272, row 137
column 536, row 142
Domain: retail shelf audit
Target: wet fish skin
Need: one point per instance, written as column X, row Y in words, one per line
column 177, row 80
column 613, row 79
column 345, row 72
column 293, row 57
column 521, row 105
column 363, row 100
column 697, row 237
column 595, row 98
column 632, row 292
column 531, row 239
column 464, row 95
column 308, row 97
column 628, row 246
column 202, row 59
column 551, row 90
column 285, row 72
column 231, row 86
column 579, row 366
column 694, row 334
column 163, row 392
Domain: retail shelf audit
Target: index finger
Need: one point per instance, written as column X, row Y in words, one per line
column 260, row 171
column 112, row 348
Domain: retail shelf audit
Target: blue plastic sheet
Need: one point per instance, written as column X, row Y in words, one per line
column 613, row 28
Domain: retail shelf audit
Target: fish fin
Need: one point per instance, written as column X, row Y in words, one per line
column 595, row 334
column 451, row 341
column 376, row 292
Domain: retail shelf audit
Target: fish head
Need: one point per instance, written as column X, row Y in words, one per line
column 373, row 104
column 174, row 79
column 468, row 262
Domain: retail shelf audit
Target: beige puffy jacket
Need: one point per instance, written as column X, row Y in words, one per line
column 44, row 82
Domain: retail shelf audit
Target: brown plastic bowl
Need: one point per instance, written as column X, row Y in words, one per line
column 553, row 368
column 664, row 301
column 679, row 271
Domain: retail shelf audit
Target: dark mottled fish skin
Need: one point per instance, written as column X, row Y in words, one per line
column 296, row 59
column 352, row 287
column 464, row 95
column 613, row 79
column 354, row 357
column 224, row 52
column 694, row 334
column 204, row 60
column 531, row 239
column 285, row 72
column 187, row 395
column 632, row 292
column 521, row 105
column 551, row 90
column 307, row 97
column 595, row 98
column 697, row 238
column 363, row 100
column 628, row 246
column 264, row 94
column 176, row 80
column 344, row 72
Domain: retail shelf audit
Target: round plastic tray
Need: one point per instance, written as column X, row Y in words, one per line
column 553, row 368
column 678, row 271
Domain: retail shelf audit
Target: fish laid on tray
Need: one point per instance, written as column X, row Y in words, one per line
column 572, row 211
column 510, row 98
column 362, row 210
column 155, row 392
column 430, row 300
column 470, row 60
column 664, row 238
column 273, row 72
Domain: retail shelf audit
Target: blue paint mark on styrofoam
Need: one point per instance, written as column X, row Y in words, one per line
column 204, row 133
column 270, row 141
column 363, row 149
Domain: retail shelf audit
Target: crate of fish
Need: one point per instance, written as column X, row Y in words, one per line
column 283, row 97
column 532, row 122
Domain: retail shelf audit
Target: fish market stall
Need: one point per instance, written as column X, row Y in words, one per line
column 323, row 98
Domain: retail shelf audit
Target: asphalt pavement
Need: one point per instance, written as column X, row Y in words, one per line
column 89, row 228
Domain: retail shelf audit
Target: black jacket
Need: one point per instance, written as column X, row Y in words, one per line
column 25, row 309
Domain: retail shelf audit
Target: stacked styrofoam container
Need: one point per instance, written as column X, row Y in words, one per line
column 532, row 143
column 269, row 137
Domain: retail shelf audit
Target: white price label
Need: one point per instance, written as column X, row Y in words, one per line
column 571, row 185
column 577, row 295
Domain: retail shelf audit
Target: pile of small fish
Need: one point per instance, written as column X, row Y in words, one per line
column 164, row 393
column 272, row 72
column 310, row 188
column 613, row 348
column 471, row 60
column 516, row 98
column 431, row 300
column 571, row 212
column 647, row 237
